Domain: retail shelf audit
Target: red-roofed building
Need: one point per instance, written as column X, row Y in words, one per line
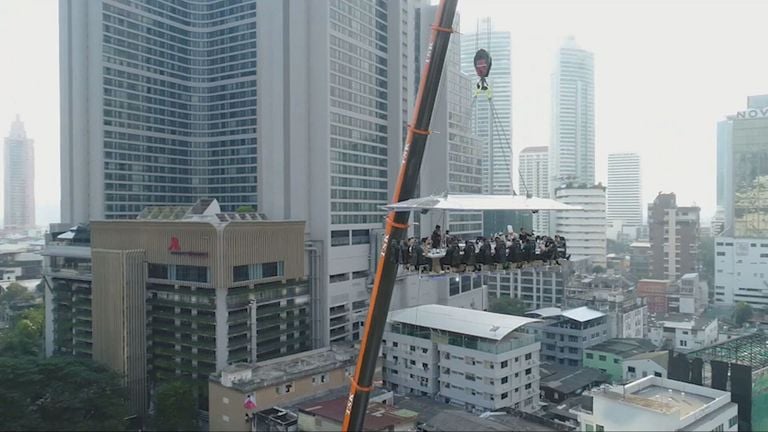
column 329, row 415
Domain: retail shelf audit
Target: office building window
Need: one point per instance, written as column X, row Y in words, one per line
column 188, row 273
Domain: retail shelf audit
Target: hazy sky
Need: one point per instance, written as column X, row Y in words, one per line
column 665, row 73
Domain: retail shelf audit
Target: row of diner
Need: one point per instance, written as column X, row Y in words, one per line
column 449, row 253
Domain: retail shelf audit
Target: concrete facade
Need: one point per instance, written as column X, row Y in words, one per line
column 584, row 230
column 565, row 334
column 197, row 291
column 426, row 353
column 741, row 269
column 279, row 382
column 673, row 234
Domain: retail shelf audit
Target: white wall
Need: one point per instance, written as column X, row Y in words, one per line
column 741, row 270
column 643, row 368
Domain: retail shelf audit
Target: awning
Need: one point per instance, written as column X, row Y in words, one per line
column 461, row 202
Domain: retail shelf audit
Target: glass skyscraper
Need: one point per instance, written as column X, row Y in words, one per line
column 572, row 149
column 158, row 105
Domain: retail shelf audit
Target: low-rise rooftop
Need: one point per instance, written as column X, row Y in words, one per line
column 681, row 321
column 624, row 347
column 566, row 380
column 378, row 416
column 665, row 396
column 248, row 377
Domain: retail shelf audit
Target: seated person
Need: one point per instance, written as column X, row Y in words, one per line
column 486, row 253
column 529, row 250
column 436, row 237
column 469, row 258
column 455, row 253
column 500, row 252
column 446, row 260
column 514, row 252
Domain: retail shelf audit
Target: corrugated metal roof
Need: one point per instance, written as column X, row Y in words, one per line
column 546, row 312
column 582, row 314
column 464, row 321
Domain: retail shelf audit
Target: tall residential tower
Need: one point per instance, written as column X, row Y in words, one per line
column 625, row 202
column 19, row 179
column 572, row 149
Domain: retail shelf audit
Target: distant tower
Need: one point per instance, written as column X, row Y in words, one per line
column 572, row 149
column 625, row 202
column 19, row 179
column 487, row 124
column 534, row 175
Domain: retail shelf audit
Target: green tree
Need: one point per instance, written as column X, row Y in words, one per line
column 507, row 306
column 742, row 313
column 25, row 338
column 598, row 269
column 245, row 209
column 60, row 393
column 176, row 408
column 15, row 293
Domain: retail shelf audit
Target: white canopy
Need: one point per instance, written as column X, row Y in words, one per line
column 468, row 202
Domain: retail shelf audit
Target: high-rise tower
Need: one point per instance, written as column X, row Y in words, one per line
column 296, row 108
column 625, row 202
column 572, row 149
column 19, row 179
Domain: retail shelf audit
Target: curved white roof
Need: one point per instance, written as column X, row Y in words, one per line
column 471, row 322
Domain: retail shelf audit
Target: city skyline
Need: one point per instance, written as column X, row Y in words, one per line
column 632, row 92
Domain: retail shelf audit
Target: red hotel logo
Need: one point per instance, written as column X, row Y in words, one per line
column 175, row 248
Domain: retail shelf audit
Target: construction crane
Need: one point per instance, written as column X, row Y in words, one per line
column 397, row 221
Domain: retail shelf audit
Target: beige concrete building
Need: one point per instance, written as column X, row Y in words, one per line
column 279, row 382
column 185, row 292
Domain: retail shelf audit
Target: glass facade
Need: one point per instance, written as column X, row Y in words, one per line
column 358, row 110
column 179, row 95
column 750, row 177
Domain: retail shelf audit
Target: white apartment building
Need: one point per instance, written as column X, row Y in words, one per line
column 684, row 332
column 572, row 147
column 659, row 404
column 624, row 197
column 494, row 127
column 534, row 180
column 584, row 230
column 478, row 360
column 741, row 266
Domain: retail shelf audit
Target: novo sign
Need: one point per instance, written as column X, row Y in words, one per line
column 175, row 249
column 752, row 113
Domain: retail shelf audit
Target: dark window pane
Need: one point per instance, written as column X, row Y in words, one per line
column 158, row 271
column 240, row 273
column 192, row 273
column 269, row 270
